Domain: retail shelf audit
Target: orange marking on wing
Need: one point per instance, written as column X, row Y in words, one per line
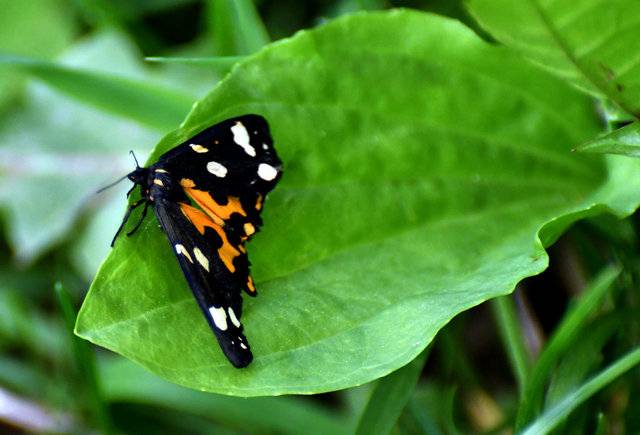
column 187, row 182
column 196, row 217
column 227, row 251
column 251, row 285
column 203, row 199
column 212, row 208
column 259, row 202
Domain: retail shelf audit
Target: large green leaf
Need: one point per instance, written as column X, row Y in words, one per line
column 592, row 43
column 421, row 178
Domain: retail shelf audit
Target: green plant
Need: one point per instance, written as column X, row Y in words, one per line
column 426, row 171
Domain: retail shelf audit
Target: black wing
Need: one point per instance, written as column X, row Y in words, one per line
column 214, row 268
column 227, row 169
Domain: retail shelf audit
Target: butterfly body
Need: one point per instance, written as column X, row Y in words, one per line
column 207, row 194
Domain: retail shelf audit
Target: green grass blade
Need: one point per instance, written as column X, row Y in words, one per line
column 370, row 4
column 389, row 398
column 127, row 382
column 236, row 27
column 624, row 141
column 426, row 424
column 601, row 425
column 561, row 340
column 554, row 416
column 100, row 13
column 22, row 325
column 25, row 378
column 85, row 361
column 585, row 357
column 251, row 28
column 220, row 64
column 148, row 103
column 512, row 338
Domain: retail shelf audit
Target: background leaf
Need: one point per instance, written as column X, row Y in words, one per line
column 557, row 413
column 564, row 338
column 53, row 158
column 389, row 398
column 624, row 141
column 127, row 382
column 37, row 28
column 593, row 44
column 421, row 179
column 236, row 27
column 110, row 93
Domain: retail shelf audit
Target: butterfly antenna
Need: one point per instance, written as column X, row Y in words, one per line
column 111, row 185
column 134, row 159
column 122, row 178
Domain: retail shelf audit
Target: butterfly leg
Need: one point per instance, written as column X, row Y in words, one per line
column 144, row 214
column 126, row 218
column 131, row 190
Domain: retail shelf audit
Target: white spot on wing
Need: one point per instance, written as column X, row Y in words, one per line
column 198, row 148
column 267, row 172
column 241, row 137
column 265, row 146
column 217, row 169
column 180, row 249
column 219, row 318
column 201, row 259
column 234, row 319
column 243, row 346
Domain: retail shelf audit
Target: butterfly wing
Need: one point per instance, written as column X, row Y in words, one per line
column 228, row 169
column 215, row 268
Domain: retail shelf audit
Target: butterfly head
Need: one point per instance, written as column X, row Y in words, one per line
column 139, row 175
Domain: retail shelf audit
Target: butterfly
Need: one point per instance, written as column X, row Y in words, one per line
column 207, row 194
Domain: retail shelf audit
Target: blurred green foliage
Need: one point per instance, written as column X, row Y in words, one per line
column 427, row 171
